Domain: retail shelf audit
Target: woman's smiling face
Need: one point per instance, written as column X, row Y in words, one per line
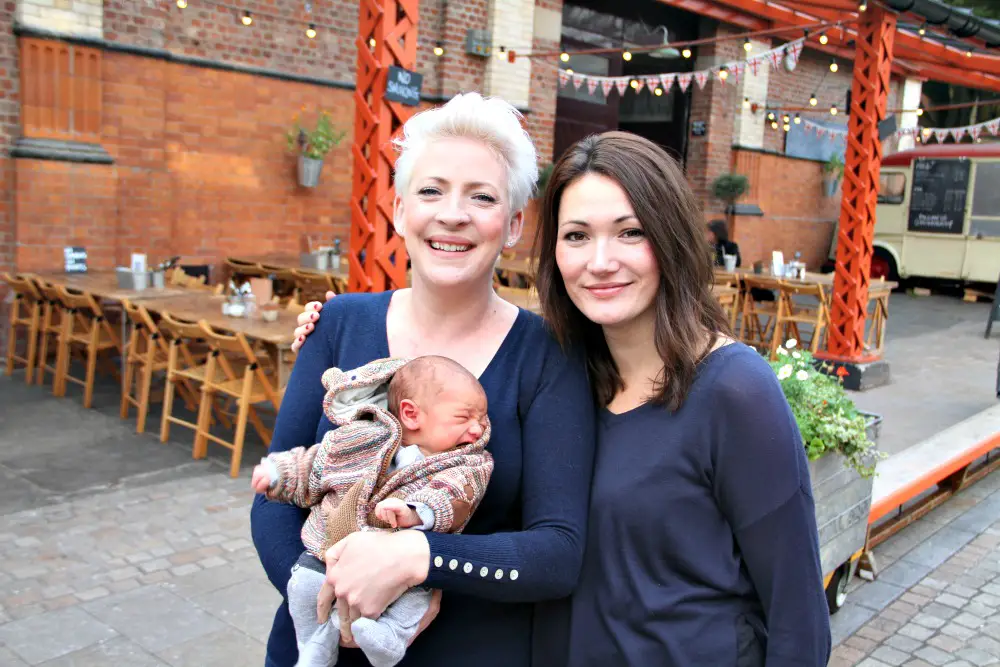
column 455, row 215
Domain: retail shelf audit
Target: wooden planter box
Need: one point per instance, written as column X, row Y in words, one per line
column 843, row 502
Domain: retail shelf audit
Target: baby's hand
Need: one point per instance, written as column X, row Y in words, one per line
column 397, row 514
column 261, row 479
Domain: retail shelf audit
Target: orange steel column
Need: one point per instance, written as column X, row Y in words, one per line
column 869, row 92
column 387, row 36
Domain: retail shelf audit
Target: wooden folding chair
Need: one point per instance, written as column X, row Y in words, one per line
column 26, row 314
column 249, row 380
column 757, row 317
column 83, row 325
column 146, row 353
column 791, row 314
column 313, row 286
column 731, row 304
column 48, row 332
column 878, row 318
column 238, row 268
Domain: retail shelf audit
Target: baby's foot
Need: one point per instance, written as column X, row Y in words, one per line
column 380, row 643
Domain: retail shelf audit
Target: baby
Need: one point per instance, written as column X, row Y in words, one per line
column 409, row 452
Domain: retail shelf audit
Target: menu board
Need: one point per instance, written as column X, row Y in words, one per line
column 75, row 259
column 938, row 194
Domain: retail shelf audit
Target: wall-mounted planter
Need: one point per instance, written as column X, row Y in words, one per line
column 309, row 170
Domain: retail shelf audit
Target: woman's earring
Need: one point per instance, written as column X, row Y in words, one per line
column 511, row 243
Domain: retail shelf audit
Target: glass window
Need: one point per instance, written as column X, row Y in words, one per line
column 984, row 227
column 986, row 197
column 891, row 188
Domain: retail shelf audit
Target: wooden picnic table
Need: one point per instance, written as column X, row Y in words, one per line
column 198, row 306
column 811, row 278
column 528, row 298
column 105, row 285
column 290, row 261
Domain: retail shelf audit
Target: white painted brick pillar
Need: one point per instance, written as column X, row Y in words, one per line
column 80, row 18
column 512, row 25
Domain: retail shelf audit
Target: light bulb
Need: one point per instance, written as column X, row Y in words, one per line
column 438, row 50
column 564, row 57
column 658, row 91
column 863, row 6
column 786, row 119
column 569, row 70
column 746, row 102
column 923, row 30
column 723, row 74
column 627, row 56
column 813, row 101
column 798, row 119
column 920, row 112
column 182, row 4
column 834, row 66
column 770, row 115
column 774, row 125
column 968, row 54
column 786, row 127
column 823, row 39
column 833, row 111
column 747, row 46
column 686, row 53
column 371, row 42
column 634, row 84
column 311, row 31
column 247, row 19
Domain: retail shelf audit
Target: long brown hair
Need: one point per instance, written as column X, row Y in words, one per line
column 671, row 219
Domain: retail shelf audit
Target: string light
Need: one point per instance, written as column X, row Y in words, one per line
column 786, row 119
column 634, row 84
column 564, row 57
column 833, row 111
column 439, row 49
column 371, row 42
column 770, row 116
column 774, row 125
column 798, row 119
column 920, row 112
column 786, row 127
column 923, row 29
column 968, row 54
column 813, row 101
column 746, row 102
column 723, row 74
column 182, row 4
column 863, row 6
column 569, row 70
column 686, row 53
column 658, row 91
column 747, row 46
column 823, row 39
column 247, row 19
column 311, row 31
column 834, row 66
column 627, row 56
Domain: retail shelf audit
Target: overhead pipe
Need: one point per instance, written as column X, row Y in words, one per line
column 960, row 24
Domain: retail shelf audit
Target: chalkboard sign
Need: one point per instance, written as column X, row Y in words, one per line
column 76, row 259
column 403, row 86
column 698, row 128
column 938, row 194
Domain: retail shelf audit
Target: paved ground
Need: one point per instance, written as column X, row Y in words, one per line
column 938, row 361
column 116, row 549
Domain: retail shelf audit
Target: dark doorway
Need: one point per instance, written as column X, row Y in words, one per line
column 657, row 114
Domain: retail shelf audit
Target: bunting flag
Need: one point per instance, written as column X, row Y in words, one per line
column 993, row 126
column 795, row 49
column 736, row 69
column 975, row 131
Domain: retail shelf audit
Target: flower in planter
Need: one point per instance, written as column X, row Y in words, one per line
column 825, row 414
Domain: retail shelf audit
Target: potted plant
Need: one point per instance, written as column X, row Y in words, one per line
column 833, row 171
column 312, row 145
column 840, row 444
column 728, row 188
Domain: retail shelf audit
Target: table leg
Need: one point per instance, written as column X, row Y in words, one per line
column 124, row 356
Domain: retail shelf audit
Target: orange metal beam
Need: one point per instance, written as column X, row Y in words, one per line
column 376, row 256
column 713, row 10
column 959, row 78
column 855, row 236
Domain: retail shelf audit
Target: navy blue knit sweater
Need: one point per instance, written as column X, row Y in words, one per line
column 525, row 542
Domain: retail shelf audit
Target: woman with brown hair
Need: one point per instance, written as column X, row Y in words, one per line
column 702, row 548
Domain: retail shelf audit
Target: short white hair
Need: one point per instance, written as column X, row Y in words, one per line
column 490, row 120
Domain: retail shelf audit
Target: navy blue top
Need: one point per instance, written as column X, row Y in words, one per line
column 702, row 548
column 525, row 541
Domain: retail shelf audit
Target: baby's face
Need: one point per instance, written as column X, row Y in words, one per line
column 456, row 416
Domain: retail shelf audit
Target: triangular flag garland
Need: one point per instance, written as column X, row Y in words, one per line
column 940, row 134
column 667, row 79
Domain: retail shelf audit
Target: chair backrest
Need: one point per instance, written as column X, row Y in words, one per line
column 177, row 329
column 143, row 324
column 236, row 346
column 49, row 291
column 22, row 286
column 761, row 282
column 804, row 289
column 82, row 302
column 313, row 285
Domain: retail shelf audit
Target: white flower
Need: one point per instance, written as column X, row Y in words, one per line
column 790, row 343
column 802, row 375
column 796, row 355
column 785, row 372
column 781, row 351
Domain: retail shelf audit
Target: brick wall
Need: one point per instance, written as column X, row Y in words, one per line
column 797, row 217
column 709, row 156
column 201, row 169
column 9, row 86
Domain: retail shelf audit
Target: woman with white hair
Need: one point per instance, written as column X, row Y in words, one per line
column 464, row 174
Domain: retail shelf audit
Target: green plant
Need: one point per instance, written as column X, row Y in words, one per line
column 834, row 165
column 544, row 174
column 824, row 412
column 315, row 142
column 730, row 187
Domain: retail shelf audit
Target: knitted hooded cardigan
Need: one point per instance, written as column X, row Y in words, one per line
column 342, row 478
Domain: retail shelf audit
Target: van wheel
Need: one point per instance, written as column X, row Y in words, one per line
column 836, row 592
column 883, row 265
